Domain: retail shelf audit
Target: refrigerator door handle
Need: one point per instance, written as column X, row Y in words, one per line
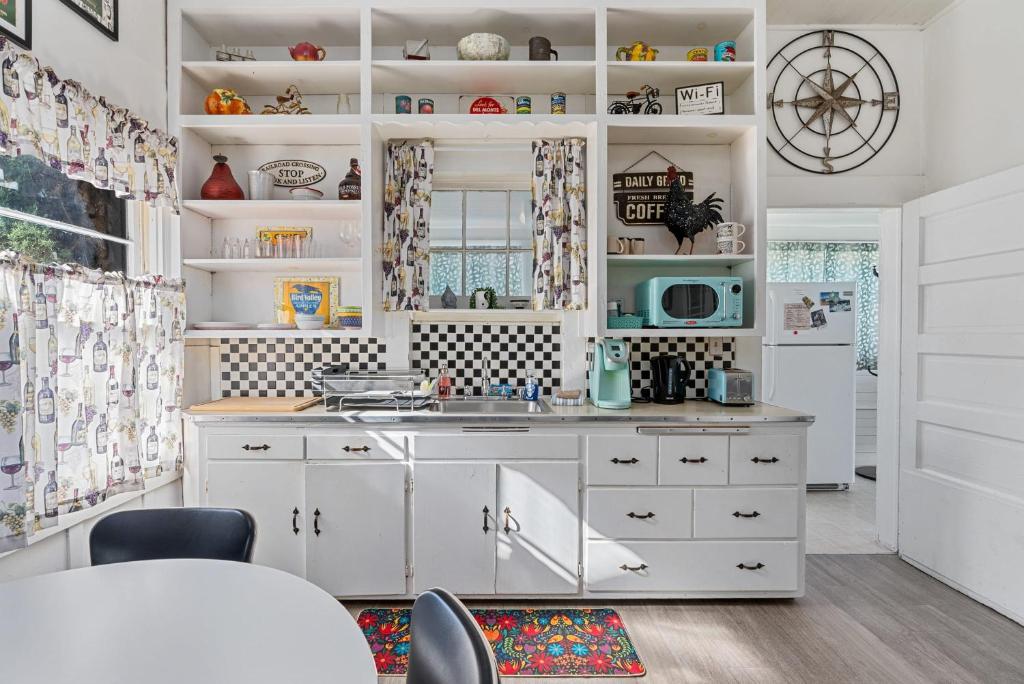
column 772, row 372
column 771, row 317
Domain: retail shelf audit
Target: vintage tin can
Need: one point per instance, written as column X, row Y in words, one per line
column 524, row 105
column 425, row 105
column 725, row 51
column 697, row 54
column 558, row 103
column 403, row 104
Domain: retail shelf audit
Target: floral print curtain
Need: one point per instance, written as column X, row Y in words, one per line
column 795, row 262
column 559, row 224
column 408, row 178
column 85, row 137
column 90, row 390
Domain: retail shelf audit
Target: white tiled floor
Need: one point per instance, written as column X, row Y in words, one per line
column 843, row 522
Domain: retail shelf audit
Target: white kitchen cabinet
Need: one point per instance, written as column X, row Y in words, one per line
column 272, row 492
column 355, row 539
column 455, row 525
column 538, row 541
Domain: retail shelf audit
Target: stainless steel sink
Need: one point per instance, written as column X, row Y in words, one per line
column 490, row 406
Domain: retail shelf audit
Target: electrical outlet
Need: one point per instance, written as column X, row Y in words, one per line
column 715, row 346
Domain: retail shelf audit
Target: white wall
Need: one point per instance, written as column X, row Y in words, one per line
column 896, row 174
column 972, row 90
column 131, row 72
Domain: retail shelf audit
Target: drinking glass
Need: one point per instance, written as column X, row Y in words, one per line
column 12, row 465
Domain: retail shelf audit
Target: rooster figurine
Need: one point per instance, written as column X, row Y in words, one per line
column 684, row 219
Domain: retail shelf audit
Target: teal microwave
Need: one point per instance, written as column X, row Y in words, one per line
column 677, row 302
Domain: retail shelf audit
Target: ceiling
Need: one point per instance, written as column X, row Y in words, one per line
column 903, row 12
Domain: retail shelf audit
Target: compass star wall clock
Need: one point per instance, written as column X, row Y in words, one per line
column 833, row 99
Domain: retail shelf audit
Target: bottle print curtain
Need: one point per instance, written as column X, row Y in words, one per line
column 90, row 390
column 559, row 224
column 408, row 179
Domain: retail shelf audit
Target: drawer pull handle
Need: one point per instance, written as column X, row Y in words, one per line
column 737, row 514
column 641, row 516
column 773, row 459
column 316, row 522
column 295, row 520
column 693, row 460
column 631, row 568
column 486, row 511
column 363, row 449
column 262, row 447
column 625, row 461
column 510, row 517
column 743, row 566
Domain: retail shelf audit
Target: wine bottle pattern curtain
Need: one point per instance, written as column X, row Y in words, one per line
column 408, row 178
column 85, row 137
column 560, row 224
column 90, row 390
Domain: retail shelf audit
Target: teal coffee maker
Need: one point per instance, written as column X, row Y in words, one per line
column 610, row 385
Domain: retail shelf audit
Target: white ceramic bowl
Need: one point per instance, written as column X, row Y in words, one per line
column 309, row 322
column 305, row 194
column 483, row 46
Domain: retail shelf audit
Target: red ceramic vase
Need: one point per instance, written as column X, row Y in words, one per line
column 221, row 184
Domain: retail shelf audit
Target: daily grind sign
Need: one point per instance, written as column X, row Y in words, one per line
column 640, row 196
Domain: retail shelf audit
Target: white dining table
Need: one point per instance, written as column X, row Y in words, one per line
column 179, row 622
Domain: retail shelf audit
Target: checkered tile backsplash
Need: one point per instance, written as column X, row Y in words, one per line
column 282, row 367
column 513, row 351
column 694, row 349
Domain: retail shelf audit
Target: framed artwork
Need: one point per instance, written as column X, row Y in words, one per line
column 100, row 13
column 706, row 98
column 316, row 295
column 16, row 21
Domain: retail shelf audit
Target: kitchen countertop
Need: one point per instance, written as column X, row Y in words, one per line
column 693, row 411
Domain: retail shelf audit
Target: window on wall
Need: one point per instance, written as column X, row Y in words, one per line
column 49, row 217
column 481, row 239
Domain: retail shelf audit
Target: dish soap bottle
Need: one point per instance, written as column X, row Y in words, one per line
column 532, row 390
column 444, row 384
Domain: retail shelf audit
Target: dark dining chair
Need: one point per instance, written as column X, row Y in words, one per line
column 447, row 643
column 157, row 533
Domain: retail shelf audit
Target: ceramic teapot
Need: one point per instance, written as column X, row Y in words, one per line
column 637, row 52
column 307, row 52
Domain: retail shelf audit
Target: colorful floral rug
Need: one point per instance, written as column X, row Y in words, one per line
column 575, row 642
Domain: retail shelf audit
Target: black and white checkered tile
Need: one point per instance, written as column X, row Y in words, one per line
column 693, row 349
column 283, row 367
column 512, row 351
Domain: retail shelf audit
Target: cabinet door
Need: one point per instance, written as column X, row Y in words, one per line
column 455, row 527
column 272, row 493
column 359, row 511
column 538, row 505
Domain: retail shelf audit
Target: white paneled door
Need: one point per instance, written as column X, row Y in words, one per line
column 961, row 501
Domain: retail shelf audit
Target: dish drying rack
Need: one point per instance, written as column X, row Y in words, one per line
column 371, row 390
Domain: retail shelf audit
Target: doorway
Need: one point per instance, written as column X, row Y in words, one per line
column 840, row 251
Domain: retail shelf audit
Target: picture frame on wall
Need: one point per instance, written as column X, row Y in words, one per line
column 103, row 14
column 16, row 22
column 704, row 98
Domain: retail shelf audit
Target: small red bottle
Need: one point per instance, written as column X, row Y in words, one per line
column 444, row 384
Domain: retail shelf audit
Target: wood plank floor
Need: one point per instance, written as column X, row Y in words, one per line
column 865, row 618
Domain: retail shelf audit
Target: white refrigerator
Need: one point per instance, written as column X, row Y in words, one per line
column 809, row 364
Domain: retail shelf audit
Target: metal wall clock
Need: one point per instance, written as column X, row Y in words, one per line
column 834, row 101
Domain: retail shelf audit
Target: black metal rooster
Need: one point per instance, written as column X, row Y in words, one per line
column 685, row 219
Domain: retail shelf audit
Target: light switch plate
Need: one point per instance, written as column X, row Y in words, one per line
column 715, row 346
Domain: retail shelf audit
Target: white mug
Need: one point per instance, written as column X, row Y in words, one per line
column 618, row 245
column 730, row 230
column 731, row 245
column 481, row 300
column 637, row 246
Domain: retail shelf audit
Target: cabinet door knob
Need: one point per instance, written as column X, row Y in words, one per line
column 641, row 516
column 630, row 461
column 252, row 447
column 295, row 520
column 316, row 522
column 363, row 449
column 773, row 459
column 633, row 568
column 693, row 460
column 743, row 566
column 737, row 514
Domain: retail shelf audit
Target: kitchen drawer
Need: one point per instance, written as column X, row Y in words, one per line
column 356, row 445
column 692, row 566
column 639, row 513
column 693, row 460
column 622, row 460
column 254, row 446
column 497, row 444
column 764, row 459
column 745, row 513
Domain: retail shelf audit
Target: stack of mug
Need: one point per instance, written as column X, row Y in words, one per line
column 728, row 238
column 626, row 245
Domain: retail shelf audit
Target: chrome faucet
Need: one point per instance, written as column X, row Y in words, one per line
column 486, row 380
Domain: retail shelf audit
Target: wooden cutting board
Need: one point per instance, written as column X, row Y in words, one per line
column 256, row 405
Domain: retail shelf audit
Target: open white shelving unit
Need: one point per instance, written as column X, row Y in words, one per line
column 352, row 97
